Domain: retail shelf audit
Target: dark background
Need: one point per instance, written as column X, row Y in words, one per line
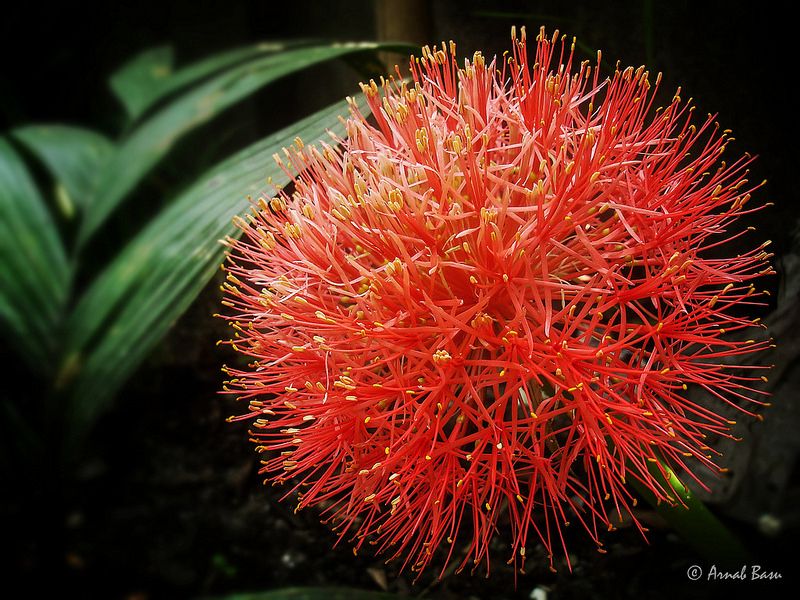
column 168, row 503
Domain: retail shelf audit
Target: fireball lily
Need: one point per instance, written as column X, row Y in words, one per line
column 485, row 306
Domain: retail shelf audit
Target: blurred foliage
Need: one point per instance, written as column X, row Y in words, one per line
column 83, row 330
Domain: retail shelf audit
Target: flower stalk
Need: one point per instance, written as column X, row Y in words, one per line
column 690, row 518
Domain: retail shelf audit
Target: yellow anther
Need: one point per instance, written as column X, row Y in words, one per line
column 292, row 230
column 268, row 241
column 441, row 357
column 395, row 202
column 421, row 136
column 481, row 319
column 488, row 215
column 277, row 204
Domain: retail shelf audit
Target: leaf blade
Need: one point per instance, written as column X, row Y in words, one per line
column 175, row 80
column 138, row 80
column 34, row 273
column 155, row 279
column 153, row 139
column 73, row 155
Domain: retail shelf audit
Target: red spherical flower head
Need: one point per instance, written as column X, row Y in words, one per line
column 484, row 308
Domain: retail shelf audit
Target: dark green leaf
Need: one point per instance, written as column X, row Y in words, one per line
column 138, row 80
column 153, row 139
column 159, row 88
column 198, row 71
column 34, row 275
column 157, row 276
column 74, row 156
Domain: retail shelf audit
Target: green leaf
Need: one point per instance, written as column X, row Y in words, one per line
column 73, row 155
column 154, row 89
column 311, row 593
column 138, row 80
column 153, row 281
column 34, row 274
column 153, row 139
column 196, row 72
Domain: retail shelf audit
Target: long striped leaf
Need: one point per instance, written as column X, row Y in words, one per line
column 139, row 93
column 157, row 276
column 137, row 82
column 151, row 141
column 73, row 155
column 33, row 267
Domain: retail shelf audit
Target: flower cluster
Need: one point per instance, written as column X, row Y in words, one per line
column 484, row 305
